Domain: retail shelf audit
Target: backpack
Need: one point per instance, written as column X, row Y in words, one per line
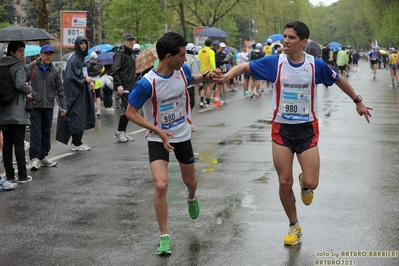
column 7, row 86
column 256, row 55
column 94, row 68
column 233, row 59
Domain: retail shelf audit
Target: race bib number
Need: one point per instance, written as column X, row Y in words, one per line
column 171, row 114
column 296, row 106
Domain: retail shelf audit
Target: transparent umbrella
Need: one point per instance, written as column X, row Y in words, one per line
column 146, row 59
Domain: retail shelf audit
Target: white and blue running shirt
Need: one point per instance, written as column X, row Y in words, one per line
column 373, row 55
column 295, row 94
column 165, row 102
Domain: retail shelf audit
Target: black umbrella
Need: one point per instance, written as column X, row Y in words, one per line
column 65, row 57
column 20, row 33
column 312, row 48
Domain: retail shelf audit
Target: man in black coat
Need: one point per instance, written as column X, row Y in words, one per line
column 78, row 87
column 325, row 53
column 124, row 74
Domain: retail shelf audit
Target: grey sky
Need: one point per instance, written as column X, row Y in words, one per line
column 326, row 2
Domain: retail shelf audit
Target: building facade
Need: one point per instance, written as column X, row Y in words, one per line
column 18, row 7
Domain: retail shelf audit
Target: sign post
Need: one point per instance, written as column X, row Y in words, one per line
column 73, row 24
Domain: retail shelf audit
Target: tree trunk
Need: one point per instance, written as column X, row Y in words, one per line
column 97, row 32
column 43, row 16
column 183, row 20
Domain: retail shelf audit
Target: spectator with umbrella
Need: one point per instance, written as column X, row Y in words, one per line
column 13, row 116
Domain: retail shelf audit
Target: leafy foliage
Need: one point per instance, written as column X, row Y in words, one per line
column 351, row 22
column 144, row 19
column 8, row 13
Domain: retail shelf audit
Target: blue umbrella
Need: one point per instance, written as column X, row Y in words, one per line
column 212, row 32
column 335, row 46
column 106, row 59
column 275, row 37
column 31, row 50
column 100, row 49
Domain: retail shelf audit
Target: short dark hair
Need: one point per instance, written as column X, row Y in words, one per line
column 208, row 42
column 170, row 43
column 301, row 29
column 14, row 46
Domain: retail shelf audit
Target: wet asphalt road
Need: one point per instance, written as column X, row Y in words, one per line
column 95, row 208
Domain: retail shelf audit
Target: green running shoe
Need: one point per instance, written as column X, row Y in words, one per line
column 164, row 245
column 193, row 207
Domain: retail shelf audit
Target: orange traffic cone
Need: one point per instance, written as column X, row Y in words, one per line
column 217, row 102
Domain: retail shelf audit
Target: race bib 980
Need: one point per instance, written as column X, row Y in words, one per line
column 171, row 114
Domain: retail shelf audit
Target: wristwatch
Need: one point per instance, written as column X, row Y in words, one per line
column 204, row 74
column 358, row 99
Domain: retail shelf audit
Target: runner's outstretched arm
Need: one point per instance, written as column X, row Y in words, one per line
column 360, row 107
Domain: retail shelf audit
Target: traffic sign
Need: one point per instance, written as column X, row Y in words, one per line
column 70, row 35
column 73, row 24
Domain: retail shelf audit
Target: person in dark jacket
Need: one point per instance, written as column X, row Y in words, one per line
column 45, row 79
column 13, row 116
column 124, row 74
column 95, row 70
column 221, row 63
column 94, row 67
column 255, row 54
column 325, row 53
column 78, row 87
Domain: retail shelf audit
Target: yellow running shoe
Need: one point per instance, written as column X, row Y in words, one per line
column 306, row 194
column 294, row 233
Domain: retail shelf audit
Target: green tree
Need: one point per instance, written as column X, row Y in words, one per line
column 43, row 15
column 31, row 15
column 3, row 24
column 383, row 16
column 183, row 15
column 143, row 19
column 9, row 13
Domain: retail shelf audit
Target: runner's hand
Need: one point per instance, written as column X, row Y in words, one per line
column 363, row 110
column 165, row 136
